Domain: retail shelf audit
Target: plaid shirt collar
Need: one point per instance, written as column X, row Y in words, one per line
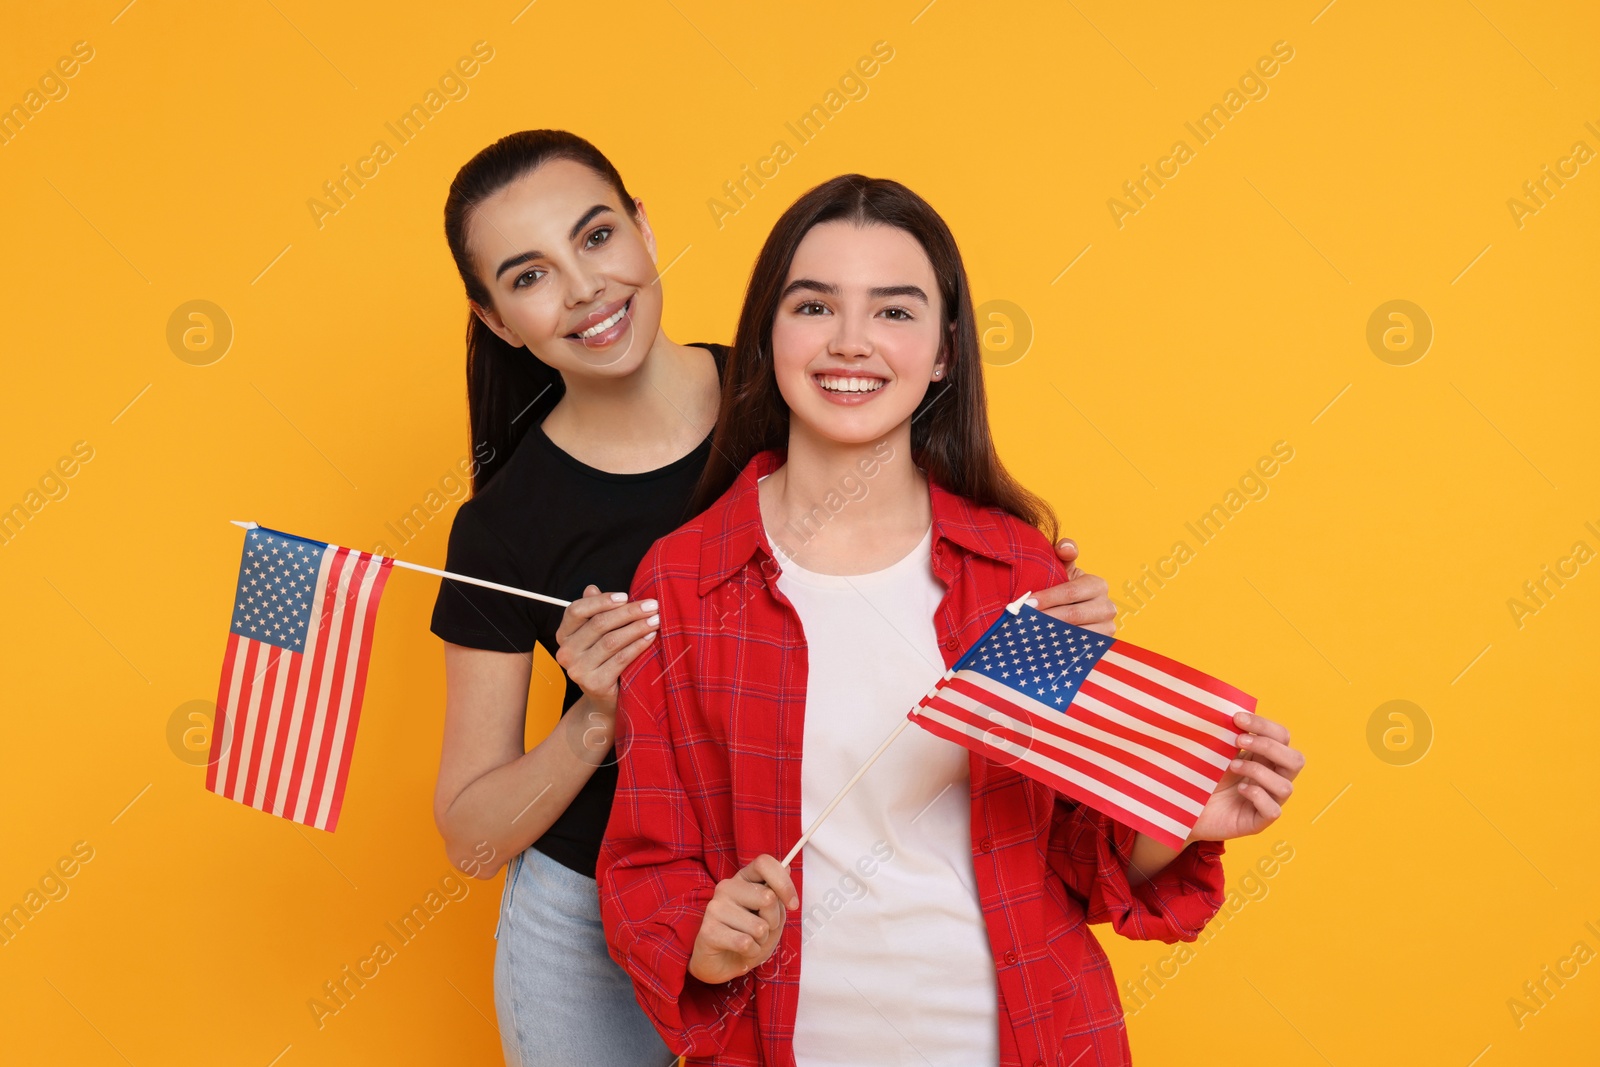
column 733, row 529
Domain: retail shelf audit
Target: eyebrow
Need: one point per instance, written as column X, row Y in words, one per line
column 876, row 292
column 572, row 235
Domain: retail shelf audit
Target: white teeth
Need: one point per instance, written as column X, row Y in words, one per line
column 851, row 385
column 602, row 327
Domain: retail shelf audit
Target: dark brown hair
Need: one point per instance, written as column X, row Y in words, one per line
column 508, row 388
column 950, row 437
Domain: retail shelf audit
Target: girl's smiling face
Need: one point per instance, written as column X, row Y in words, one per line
column 856, row 340
column 572, row 275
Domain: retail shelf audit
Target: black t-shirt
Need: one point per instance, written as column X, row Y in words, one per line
column 550, row 524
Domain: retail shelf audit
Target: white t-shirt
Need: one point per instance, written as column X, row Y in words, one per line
column 895, row 963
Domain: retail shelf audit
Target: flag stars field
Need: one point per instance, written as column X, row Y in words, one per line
column 1129, row 733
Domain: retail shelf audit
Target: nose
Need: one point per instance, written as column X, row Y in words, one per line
column 583, row 284
column 850, row 336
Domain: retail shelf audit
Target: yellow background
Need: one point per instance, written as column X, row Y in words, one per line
column 1229, row 313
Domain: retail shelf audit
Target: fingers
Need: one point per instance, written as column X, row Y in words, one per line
column 1264, row 803
column 765, row 868
column 608, row 629
column 1083, row 601
column 743, row 931
column 1287, row 761
column 1267, row 780
column 1066, row 550
column 1260, row 724
column 606, row 674
column 751, row 895
column 587, row 606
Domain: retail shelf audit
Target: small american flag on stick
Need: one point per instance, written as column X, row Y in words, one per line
column 1133, row 735
column 293, row 674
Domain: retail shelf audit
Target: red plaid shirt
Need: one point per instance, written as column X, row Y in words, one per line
column 709, row 734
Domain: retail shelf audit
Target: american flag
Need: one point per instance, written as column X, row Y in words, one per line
column 1133, row 735
column 293, row 675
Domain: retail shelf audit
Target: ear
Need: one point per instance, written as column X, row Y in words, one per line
column 644, row 227
column 939, row 367
column 491, row 318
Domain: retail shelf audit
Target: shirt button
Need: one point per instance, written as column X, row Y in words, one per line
column 1011, row 957
column 950, row 642
column 983, row 846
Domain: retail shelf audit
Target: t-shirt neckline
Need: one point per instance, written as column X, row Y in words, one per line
column 693, row 456
column 921, row 552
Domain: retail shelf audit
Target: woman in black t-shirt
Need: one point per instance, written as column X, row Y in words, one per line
column 592, row 429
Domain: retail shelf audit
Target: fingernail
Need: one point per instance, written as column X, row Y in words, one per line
column 1236, row 765
column 1033, row 602
column 651, row 634
column 652, row 620
column 619, row 597
column 648, row 605
column 1065, row 543
column 794, row 902
column 1243, row 786
column 1244, row 740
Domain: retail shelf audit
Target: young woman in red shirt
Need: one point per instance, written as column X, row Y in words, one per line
column 861, row 534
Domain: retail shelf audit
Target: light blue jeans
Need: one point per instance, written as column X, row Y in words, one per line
column 561, row 1000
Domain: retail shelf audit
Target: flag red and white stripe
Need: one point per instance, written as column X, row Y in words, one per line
column 289, row 700
column 1129, row 733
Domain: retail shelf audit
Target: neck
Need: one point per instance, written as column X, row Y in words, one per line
column 662, row 409
column 846, row 508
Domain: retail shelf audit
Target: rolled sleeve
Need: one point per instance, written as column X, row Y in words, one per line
column 1090, row 852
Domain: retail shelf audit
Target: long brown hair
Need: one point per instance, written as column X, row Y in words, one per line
column 950, row 438
column 508, row 388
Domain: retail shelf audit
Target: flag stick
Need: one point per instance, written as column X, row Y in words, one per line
column 456, row 577
column 1014, row 607
column 834, row 803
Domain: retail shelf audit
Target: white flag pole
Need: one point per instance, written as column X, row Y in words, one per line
column 834, row 803
column 454, row 577
column 1014, row 607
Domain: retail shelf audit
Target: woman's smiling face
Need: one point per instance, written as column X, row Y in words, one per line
column 856, row 337
column 572, row 275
